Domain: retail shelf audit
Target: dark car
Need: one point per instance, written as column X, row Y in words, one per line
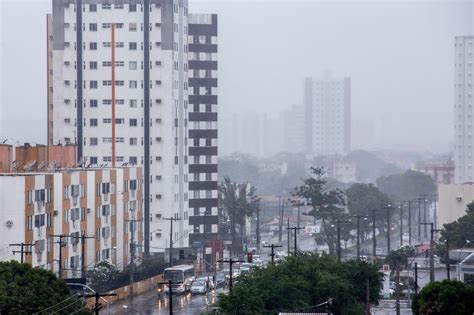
column 220, row 280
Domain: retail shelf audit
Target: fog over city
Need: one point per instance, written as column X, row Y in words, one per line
column 398, row 54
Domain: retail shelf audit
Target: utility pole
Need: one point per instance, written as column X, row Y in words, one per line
column 374, row 240
column 419, row 219
column 288, row 237
column 416, row 278
column 432, row 275
column 170, row 293
column 358, row 217
column 338, row 248
column 83, row 256
column 257, row 231
column 23, row 252
column 367, row 297
column 280, row 219
column 230, row 261
column 97, row 306
column 132, row 257
column 424, row 216
column 448, row 266
column 388, row 208
column 397, row 286
column 61, row 245
column 172, row 219
column 295, row 228
column 401, row 224
column 409, row 221
column 272, row 246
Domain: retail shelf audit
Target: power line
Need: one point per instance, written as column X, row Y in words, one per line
column 72, row 296
column 67, row 306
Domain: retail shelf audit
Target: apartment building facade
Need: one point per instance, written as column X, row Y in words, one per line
column 120, row 92
column 327, row 103
column 203, row 147
column 51, row 211
column 463, row 110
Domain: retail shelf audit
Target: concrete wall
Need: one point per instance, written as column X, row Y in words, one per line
column 453, row 200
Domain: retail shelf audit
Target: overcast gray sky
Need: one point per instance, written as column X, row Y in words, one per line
column 399, row 55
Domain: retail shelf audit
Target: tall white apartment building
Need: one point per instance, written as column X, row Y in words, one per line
column 203, row 182
column 327, row 105
column 463, row 110
column 148, row 41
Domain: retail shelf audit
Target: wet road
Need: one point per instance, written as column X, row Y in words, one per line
column 148, row 303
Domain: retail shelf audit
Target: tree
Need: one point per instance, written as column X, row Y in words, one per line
column 327, row 205
column 461, row 230
column 27, row 290
column 364, row 197
column 369, row 167
column 102, row 275
column 446, row 297
column 407, row 186
column 238, row 201
column 300, row 283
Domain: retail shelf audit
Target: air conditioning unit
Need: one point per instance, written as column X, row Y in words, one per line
column 158, row 216
column 158, row 120
column 158, row 196
column 158, row 158
column 158, row 81
column 158, row 139
column 158, row 101
column 9, row 223
column 89, row 210
column 157, row 24
column 55, row 213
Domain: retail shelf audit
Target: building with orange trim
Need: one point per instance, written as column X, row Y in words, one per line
column 97, row 203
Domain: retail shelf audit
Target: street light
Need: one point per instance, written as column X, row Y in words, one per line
column 431, row 224
column 388, row 208
column 358, row 231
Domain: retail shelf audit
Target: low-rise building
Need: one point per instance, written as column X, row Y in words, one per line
column 453, row 200
column 44, row 157
column 6, row 158
column 49, row 212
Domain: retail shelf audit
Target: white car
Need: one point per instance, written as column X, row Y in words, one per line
column 201, row 286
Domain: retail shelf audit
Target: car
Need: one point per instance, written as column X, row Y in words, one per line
column 199, row 286
column 220, row 280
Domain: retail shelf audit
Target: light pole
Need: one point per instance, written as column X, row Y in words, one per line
column 358, row 217
column 401, row 224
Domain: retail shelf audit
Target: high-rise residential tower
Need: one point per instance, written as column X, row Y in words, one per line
column 120, row 92
column 463, row 111
column 203, row 182
column 293, row 126
column 327, row 105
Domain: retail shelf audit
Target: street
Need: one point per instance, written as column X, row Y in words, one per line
column 148, row 303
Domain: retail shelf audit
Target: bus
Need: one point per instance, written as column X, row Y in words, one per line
column 182, row 275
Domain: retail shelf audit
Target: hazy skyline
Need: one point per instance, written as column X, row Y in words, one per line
column 399, row 56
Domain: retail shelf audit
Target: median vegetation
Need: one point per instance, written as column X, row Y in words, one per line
column 305, row 283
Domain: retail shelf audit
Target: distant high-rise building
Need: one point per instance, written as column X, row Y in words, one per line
column 203, row 219
column 327, row 109
column 463, row 110
column 120, row 92
column 293, row 129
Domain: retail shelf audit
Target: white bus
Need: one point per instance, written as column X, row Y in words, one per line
column 182, row 275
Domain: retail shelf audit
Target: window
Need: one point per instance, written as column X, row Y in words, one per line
column 93, row 122
column 132, row 27
column 133, row 84
column 133, row 141
column 93, row 27
column 93, row 141
column 132, row 65
column 119, row 121
column 92, row 7
column 133, row 103
column 132, row 46
column 93, row 160
column 132, row 160
column 93, row 84
column 107, row 120
column 93, row 65
column 133, row 122
column 106, row 6
column 93, row 46
column 93, row 103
